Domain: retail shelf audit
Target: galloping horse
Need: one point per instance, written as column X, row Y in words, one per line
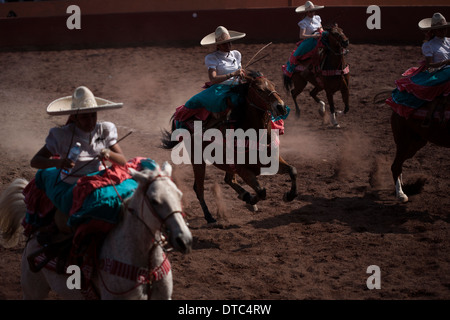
column 333, row 74
column 410, row 136
column 261, row 102
column 152, row 213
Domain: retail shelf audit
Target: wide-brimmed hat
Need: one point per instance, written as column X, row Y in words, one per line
column 308, row 6
column 221, row 35
column 82, row 101
column 436, row 22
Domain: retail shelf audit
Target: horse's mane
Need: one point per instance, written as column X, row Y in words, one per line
column 238, row 112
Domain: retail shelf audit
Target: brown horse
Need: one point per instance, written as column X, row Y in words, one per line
column 332, row 74
column 410, row 135
column 261, row 102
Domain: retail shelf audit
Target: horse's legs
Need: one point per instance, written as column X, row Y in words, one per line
column 243, row 194
column 299, row 84
column 313, row 94
column 199, row 188
column 345, row 93
column 250, row 178
column 283, row 168
column 332, row 109
column 408, row 143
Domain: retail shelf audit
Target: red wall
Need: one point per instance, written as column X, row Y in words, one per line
column 398, row 25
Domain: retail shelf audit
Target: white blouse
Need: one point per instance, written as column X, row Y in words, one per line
column 224, row 62
column 310, row 24
column 437, row 48
column 103, row 136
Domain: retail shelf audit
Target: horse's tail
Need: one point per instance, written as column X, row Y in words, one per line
column 12, row 212
column 287, row 82
column 382, row 95
column 166, row 135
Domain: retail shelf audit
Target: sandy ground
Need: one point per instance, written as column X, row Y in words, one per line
column 320, row 245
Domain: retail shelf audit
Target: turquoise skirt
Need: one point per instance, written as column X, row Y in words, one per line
column 422, row 87
column 101, row 204
column 214, row 98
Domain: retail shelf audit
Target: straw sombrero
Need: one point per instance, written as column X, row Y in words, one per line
column 221, row 35
column 82, row 101
column 308, row 6
column 436, row 22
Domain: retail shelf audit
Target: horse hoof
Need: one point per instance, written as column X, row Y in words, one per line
column 253, row 200
column 288, row 196
column 402, row 198
column 251, row 207
column 211, row 221
column 333, row 120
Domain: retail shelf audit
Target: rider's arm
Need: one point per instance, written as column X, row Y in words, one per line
column 431, row 64
column 114, row 154
column 215, row 78
column 43, row 160
column 303, row 34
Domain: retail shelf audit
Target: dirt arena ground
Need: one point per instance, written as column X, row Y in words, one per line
column 319, row 246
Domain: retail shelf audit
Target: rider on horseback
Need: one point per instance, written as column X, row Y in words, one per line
column 224, row 69
column 50, row 189
column 429, row 82
column 223, row 92
column 310, row 31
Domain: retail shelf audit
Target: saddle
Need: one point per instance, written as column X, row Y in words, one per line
column 217, row 120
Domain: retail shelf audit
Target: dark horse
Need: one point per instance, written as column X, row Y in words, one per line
column 410, row 135
column 331, row 74
column 261, row 102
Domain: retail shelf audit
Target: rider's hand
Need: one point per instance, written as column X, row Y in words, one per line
column 66, row 164
column 239, row 73
column 104, row 154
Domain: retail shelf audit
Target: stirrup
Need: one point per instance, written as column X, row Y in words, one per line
column 50, row 251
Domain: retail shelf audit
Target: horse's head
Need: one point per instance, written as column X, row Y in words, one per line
column 336, row 36
column 158, row 205
column 262, row 94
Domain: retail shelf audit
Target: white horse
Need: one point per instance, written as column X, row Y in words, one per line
column 151, row 214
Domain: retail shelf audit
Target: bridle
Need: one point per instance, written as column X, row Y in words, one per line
column 339, row 41
column 150, row 275
column 266, row 107
column 146, row 201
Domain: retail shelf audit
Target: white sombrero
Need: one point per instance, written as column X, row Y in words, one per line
column 221, row 35
column 436, row 22
column 82, row 101
column 308, row 6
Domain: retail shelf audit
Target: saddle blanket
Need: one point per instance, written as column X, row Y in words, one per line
column 184, row 118
column 326, row 73
column 421, row 113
